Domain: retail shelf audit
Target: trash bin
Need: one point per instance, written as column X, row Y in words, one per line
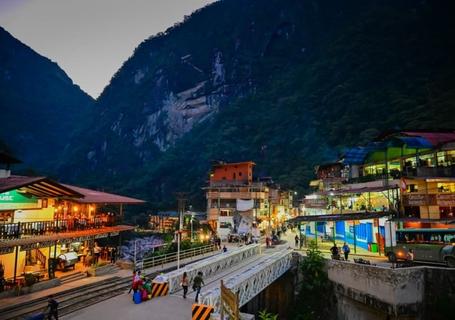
column 374, row 247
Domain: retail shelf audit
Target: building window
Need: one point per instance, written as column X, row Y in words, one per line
column 412, row 188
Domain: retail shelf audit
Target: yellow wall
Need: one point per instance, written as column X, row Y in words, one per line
column 8, row 261
column 46, row 214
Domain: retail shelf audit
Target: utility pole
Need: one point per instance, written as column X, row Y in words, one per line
column 181, row 198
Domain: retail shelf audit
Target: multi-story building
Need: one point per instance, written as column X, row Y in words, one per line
column 410, row 175
column 236, row 202
column 41, row 219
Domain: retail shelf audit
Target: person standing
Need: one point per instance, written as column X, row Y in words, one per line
column 52, row 306
column 296, row 240
column 346, row 251
column 113, row 254
column 197, row 285
column 184, row 284
column 97, row 253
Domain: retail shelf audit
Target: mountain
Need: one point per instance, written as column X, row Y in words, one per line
column 39, row 104
column 287, row 84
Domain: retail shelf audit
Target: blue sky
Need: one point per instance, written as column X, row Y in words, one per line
column 90, row 39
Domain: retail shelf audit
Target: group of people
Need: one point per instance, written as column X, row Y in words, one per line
column 92, row 257
column 336, row 251
column 142, row 286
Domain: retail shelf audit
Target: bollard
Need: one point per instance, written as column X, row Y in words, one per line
column 201, row 311
column 160, row 289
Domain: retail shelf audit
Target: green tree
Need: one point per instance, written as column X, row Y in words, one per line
column 315, row 285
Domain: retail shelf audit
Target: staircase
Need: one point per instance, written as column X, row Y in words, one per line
column 73, row 277
column 41, row 257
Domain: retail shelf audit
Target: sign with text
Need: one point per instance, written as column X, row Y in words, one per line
column 415, row 200
column 446, row 200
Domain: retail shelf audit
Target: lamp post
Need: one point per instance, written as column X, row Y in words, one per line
column 192, row 219
column 181, row 207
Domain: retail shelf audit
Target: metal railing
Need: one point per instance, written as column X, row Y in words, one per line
column 35, row 228
column 171, row 257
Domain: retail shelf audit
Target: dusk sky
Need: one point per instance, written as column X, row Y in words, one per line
column 90, row 39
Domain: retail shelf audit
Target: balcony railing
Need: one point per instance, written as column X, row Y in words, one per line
column 24, row 229
column 442, row 172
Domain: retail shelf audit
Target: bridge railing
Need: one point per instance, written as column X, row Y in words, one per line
column 171, row 257
column 211, row 265
column 253, row 280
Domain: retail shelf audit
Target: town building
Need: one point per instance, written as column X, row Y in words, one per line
column 408, row 176
column 42, row 220
column 237, row 203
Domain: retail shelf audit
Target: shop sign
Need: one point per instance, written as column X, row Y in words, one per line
column 446, row 200
column 316, row 203
column 16, row 197
column 415, row 200
column 6, row 250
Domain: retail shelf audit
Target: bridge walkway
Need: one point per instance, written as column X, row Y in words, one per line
column 172, row 307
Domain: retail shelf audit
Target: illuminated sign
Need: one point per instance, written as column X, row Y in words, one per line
column 16, row 197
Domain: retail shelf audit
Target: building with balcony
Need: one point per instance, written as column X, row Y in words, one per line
column 408, row 175
column 42, row 220
column 238, row 203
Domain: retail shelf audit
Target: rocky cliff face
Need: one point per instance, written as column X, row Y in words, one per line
column 285, row 83
column 179, row 79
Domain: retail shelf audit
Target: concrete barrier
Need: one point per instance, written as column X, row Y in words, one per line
column 209, row 266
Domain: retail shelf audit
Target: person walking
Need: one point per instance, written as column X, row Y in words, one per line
column 184, row 284
column 224, row 249
column 197, row 285
column 52, row 306
column 296, row 240
column 113, row 255
column 346, row 251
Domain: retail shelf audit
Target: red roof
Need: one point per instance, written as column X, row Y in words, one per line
column 435, row 138
column 93, row 196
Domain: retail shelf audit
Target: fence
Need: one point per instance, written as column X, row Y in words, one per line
column 211, row 266
column 170, row 257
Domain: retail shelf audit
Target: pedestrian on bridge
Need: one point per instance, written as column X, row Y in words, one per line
column 296, row 239
column 184, row 284
column 197, row 285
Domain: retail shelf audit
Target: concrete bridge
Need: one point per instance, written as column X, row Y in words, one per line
column 247, row 270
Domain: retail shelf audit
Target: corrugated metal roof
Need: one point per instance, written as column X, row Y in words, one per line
column 93, row 196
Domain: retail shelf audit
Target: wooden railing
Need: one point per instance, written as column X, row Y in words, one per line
column 34, row 228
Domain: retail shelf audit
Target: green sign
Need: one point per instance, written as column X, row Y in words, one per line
column 15, row 197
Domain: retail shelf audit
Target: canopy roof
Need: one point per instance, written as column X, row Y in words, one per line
column 40, row 187
column 93, row 196
column 356, row 190
column 361, row 215
column 64, row 235
column 397, row 145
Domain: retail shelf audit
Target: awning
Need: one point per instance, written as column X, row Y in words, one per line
column 40, row 187
column 362, row 215
column 93, row 196
column 63, row 236
column 356, row 190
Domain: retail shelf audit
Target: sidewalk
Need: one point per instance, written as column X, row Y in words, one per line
column 123, row 273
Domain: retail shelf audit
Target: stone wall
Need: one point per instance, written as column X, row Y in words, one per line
column 372, row 292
